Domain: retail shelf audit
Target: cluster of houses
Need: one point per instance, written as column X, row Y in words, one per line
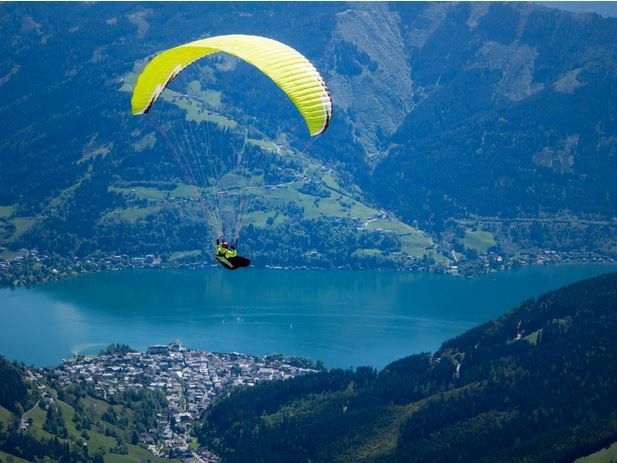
column 19, row 256
column 23, row 261
column 190, row 379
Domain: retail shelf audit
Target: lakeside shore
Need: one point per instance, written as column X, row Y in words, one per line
column 29, row 267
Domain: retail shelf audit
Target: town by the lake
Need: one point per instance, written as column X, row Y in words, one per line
column 190, row 379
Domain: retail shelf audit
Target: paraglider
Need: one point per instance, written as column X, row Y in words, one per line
column 285, row 66
column 228, row 257
column 291, row 71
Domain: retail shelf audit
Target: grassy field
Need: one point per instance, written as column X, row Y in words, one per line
column 413, row 241
column 140, row 192
column 6, row 211
column 532, row 338
column 366, row 252
column 136, row 455
column 183, row 190
column 11, row 458
column 196, row 110
column 131, row 214
column 338, row 205
column 96, row 406
column 211, row 98
column 265, row 145
column 38, row 420
column 7, row 254
column 148, row 141
column 22, row 224
column 155, row 194
column 334, row 206
column 94, row 151
column 479, row 240
column 5, row 416
column 97, row 440
column 608, row 455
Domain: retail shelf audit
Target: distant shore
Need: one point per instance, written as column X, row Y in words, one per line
column 30, row 267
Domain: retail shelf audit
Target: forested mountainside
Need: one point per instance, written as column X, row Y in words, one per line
column 536, row 385
column 458, row 130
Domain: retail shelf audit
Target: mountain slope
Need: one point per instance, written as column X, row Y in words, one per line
column 535, row 385
column 38, row 421
column 513, row 120
column 453, row 118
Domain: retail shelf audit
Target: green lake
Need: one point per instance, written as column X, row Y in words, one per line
column 343, row 318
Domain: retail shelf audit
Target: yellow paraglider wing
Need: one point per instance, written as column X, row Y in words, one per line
column 291, row 71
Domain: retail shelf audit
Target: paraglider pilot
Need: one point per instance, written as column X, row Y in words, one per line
column 228, row 257
column 225, row 250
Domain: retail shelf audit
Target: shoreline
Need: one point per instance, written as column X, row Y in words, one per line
column 48, row 274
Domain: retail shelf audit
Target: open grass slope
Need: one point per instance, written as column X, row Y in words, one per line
column 607, row 455
column 313, row 192
column 96, row 440
column 8, row 458
column 479, row 240
column 5, row 416
column 6, row 211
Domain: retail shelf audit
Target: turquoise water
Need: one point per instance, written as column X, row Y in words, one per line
column 342, row 318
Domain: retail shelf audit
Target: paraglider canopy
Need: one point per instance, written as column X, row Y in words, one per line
column 291, row 71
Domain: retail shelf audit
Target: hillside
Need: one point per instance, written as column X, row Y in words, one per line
column 536, row 385
column 468, row 134
column 40, row 422
column 513, row 121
